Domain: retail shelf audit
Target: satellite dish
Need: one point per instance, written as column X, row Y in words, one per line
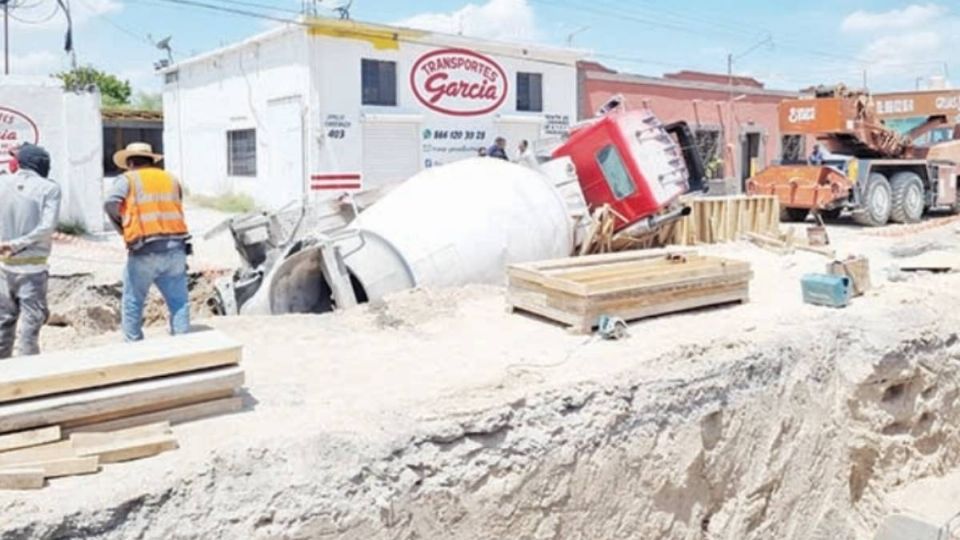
column 340, row 7
column 164, row 45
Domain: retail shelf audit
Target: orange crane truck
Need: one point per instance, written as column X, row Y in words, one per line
column 870, row 170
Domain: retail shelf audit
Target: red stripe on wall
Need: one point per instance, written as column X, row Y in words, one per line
column 320, row 187
column 335, row 177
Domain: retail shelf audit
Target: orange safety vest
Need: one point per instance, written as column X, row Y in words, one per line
column 153, row 207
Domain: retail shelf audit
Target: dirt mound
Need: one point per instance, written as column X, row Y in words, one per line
column 77, row 301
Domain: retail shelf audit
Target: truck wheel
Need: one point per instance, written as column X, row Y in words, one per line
column 876, row 204
column 908, row 201
column 794, row 215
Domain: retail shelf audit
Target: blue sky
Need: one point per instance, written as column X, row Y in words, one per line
column 786, row 45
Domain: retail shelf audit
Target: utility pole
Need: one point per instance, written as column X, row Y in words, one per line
column 6, row 36
column 731, row 139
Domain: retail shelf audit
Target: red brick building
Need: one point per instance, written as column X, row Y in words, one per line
column 735, row 119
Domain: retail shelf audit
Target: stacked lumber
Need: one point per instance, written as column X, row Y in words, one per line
column 715, row 220
column 630, row 285
column 68, row 413
column 786, row 243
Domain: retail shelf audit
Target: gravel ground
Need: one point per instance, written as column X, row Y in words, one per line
column 436, row 414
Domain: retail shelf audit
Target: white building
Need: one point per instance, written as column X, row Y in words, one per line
column 38, row 110
column 330, row 106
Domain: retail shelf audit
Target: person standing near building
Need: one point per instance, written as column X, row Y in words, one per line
column 816, row 157
column 146, row 206
column 499, row 149
column 29, row 208
column 525, row 154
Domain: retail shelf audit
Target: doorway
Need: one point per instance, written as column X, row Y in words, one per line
column 751, row 143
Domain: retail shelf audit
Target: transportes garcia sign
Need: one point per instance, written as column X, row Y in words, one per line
column 16, row 128
column 458, row 82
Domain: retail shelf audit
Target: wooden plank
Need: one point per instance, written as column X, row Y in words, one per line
column 68, row 426
column 724, row 219
column 34, row 454
column 127, row 450
column 174, row 416
column 92, row 439
column 73, row 466
column 706, row 278
column 21, row 478
column 600, row 259
column 934, row 261
column 65, row 371
column 33, row 437
column 112, row 402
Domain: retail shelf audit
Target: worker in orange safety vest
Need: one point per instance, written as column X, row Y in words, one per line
column 146, row 207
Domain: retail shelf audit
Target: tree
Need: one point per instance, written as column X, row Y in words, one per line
column 148, row 101
column 113, row 91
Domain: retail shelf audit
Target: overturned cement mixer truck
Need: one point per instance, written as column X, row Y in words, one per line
column 464, row 222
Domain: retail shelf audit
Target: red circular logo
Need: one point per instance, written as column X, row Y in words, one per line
column 458, row 82
column 16, row 128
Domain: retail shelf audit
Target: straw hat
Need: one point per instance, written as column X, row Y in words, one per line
column 132, row 150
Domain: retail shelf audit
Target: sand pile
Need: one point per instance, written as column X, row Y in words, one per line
column 90, row 308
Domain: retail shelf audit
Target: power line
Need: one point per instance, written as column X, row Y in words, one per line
column 803, row 48
column 738, row 28
column 260, row 5
column 42, row 20
column 235, row 11
column 356, row 31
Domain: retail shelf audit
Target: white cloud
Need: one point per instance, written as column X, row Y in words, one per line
column 903, row 44
column 912, row 16
column 45, row 16
column 507, row 20
column 36, row 63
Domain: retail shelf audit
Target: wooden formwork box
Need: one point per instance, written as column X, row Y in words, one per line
column 628, row 285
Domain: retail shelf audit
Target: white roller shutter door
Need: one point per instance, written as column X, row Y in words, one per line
column 518, row 128
column 391, row 149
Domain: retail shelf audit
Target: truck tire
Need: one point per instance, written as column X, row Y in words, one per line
column 794, row 215
column 876, row 205
column 907, row 197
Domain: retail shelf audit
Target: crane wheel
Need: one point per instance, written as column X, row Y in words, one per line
column 908, row 200
column 876, row 204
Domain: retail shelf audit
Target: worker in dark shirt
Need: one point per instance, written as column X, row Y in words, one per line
column 816, row 157
column 499, row 149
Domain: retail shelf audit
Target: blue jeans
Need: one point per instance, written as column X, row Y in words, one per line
column 168, row 271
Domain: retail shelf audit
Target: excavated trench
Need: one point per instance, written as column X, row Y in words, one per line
column 795, row 437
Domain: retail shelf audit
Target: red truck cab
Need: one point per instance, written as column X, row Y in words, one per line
column 631, row 161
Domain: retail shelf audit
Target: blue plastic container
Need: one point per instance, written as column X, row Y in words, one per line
column 827, row 290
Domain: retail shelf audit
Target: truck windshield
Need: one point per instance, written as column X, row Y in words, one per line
column 615, row 173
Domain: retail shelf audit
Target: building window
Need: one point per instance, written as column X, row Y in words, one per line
column 615, row 172
column 379, row 79
column 792, row 149
column 530, row 92
column 709, row 144
column 242, row 152
column 171, row 77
